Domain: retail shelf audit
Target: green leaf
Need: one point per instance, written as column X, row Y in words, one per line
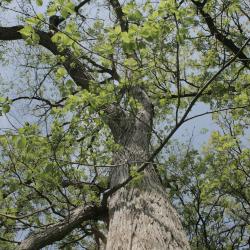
column 39, row 2
column 35, row 38
column 61, row 72
column 125, row 38
column 131, row 63
column 135, row 16
column 150, row 31
column 26, row 31
column 69, row 8
column 31, row 37
column 117, row 29
column 21, row 142
column 52, row 10
column 6, row 108
column 2, row 99
column 32, row 20
column 66, row 40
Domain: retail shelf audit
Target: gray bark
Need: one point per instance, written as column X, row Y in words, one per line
column 60, row 230
column 142, row 218
column 140, row 214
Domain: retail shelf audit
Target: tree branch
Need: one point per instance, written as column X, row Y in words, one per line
column 8, row 216
column 60, row 230
column 81, row 4
column 78, row 72
column 230, row 89
column 120, row 14
column 10, row 33
column 219, row 36
column 216, row 111
column 48, row 102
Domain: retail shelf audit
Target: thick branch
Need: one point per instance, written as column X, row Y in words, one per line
column 10, row 33
column 219, row 36
column 78, row 72
column 81, row 4
column 60, row 230
column 120, row 15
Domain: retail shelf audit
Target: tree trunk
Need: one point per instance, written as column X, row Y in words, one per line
column 142, row 218
column 140, row 215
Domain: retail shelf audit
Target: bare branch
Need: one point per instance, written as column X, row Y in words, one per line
column 23, row 216
column 48, row 102
column 216, row 111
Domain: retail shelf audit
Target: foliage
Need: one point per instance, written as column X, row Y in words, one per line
column 60, row 157
column 214, row 200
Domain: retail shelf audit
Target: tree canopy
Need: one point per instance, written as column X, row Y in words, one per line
column 81, row 75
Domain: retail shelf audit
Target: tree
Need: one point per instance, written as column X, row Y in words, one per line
column 111, row 84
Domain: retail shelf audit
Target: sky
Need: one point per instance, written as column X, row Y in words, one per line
column 191, row 128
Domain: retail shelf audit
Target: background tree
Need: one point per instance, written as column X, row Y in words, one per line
column 106, row 87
